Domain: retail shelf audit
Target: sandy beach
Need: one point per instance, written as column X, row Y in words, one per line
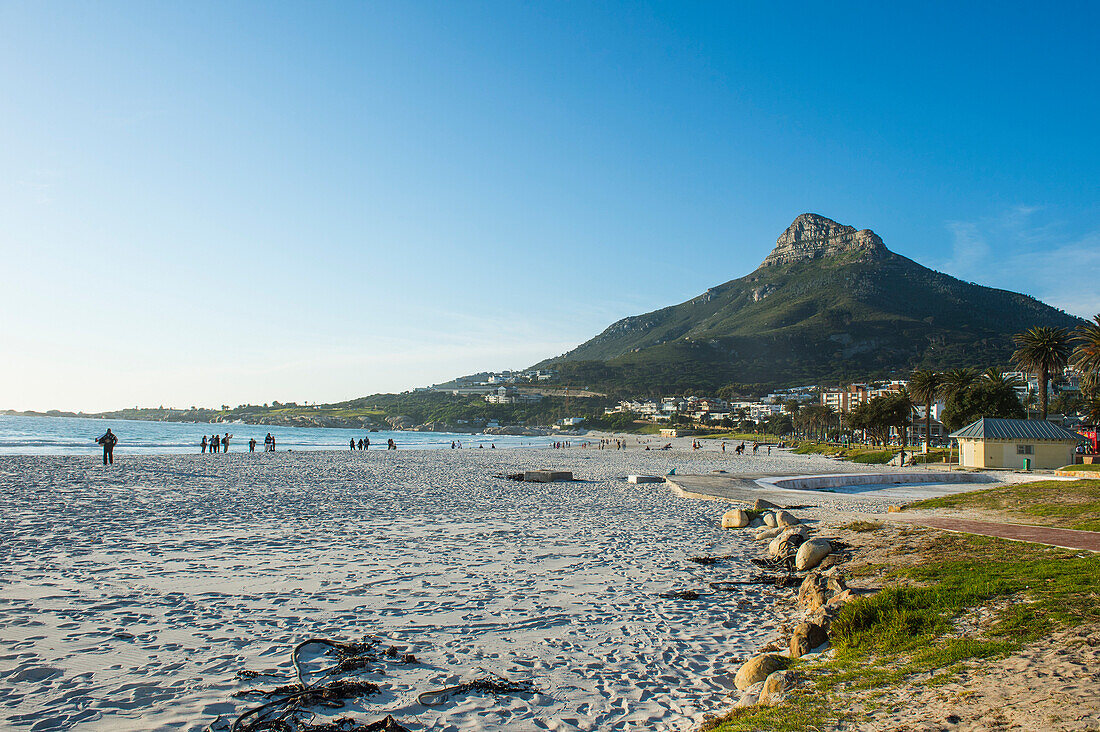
column 133, row 596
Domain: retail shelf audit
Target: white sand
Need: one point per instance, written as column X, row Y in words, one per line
column 132, row 595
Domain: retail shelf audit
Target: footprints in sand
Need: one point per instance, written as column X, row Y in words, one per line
column 132, row 602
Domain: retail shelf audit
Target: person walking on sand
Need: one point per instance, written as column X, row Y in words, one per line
column 390, row 444
column 217, row 443
column 252, row 444
column 352, row 446
column 108, row 441
column 202, row 445
column 273, row 443
column 225, row 442
column 366, row 443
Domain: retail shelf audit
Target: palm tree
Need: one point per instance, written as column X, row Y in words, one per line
column 957, row 380
column 999, row 378
column 827, row 415
column 1029, row 402
column 1041, row 351
column 925, row 386
column 1091, row 410
column 1086, row 355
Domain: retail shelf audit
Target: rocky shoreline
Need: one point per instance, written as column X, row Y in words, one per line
column 822, row 592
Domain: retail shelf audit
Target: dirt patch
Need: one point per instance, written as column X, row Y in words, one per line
column 1050, row 685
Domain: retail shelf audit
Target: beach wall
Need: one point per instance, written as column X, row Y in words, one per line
column 819, row 482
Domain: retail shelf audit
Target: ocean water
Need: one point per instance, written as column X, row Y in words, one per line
column 76, row 435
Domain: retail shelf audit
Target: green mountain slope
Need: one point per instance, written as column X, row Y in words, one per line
column 828, row 304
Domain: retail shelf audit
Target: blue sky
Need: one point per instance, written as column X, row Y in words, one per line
column 207, row 203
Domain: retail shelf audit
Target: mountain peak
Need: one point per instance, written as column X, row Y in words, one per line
column 810, row 236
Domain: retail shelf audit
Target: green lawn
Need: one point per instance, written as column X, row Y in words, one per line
column 906, row 629
column 1068, row 504
column 1086, row 468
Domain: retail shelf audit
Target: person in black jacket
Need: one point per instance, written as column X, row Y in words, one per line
column 108, row 441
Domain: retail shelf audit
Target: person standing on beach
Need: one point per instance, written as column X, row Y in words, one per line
column 366, row 443
column 252, row 445
column 353, row 445
column 215, row 443
column 108, row 441
column 225, row 442
column 267, row 443
column 202, row 444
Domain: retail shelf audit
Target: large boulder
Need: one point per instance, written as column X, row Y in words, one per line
column 774, row 689
column 836, row 582
column 806, row 637
column 769, row 520
column 751, row 695
column 762, row 505
column 767, row 534
column 735, row 519
column 827, row 613
column 785, row 545
column 758, row 668
column 813, row 592
column 810, row 554
column 782, row 518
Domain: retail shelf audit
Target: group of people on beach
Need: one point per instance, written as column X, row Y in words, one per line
column 739, row 450
column 608, row 444
column 216, row 443
column 221, row 444
column 457, row 445
column 364, row 444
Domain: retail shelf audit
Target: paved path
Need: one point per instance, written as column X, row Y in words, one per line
column 731, row 487
column 1064, row 538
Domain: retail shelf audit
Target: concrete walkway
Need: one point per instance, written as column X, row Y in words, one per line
column 1048, row 535
column 825, row 489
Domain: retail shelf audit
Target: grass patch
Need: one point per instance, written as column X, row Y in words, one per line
column 908, row 628
column 868, row 454
column 816, row 448
column 801, row 712
column 862, row 526
column 877, row 457
column 1066, row 504
column 1081, row 467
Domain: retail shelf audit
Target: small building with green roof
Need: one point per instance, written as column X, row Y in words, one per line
column 1007, row 443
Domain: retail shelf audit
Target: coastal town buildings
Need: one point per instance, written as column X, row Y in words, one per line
column 510, row 395
column 844, row 399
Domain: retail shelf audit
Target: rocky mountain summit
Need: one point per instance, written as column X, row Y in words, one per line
column 811, row 236
column 829, row 303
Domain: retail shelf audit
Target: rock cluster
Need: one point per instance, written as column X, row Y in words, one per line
column 764, row 678
column 811, row 236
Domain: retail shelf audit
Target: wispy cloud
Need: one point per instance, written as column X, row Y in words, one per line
column 1023, row 251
